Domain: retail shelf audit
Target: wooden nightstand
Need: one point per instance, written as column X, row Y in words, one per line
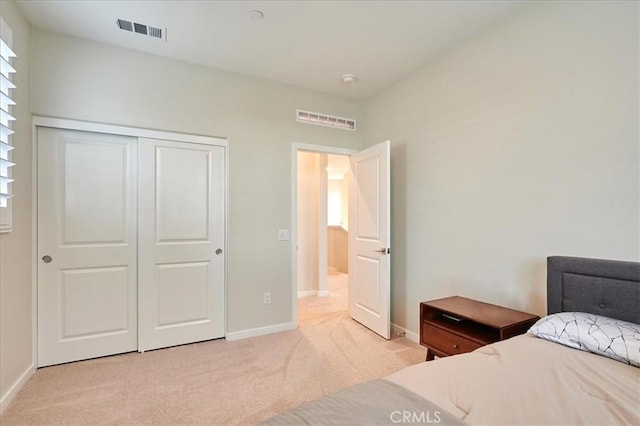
column 456, row 325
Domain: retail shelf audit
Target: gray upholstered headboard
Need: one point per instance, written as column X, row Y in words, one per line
column 604, row 287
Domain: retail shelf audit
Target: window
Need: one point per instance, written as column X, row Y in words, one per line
column 6, row 85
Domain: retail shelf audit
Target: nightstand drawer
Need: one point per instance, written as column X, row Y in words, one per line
column 445, row 341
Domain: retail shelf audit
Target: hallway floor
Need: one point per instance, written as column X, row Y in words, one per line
column 310, row 308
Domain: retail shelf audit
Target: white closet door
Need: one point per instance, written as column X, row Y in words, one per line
column 181, row 237
column 87, row 283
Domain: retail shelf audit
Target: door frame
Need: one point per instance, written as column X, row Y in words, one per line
column 89, row 126
column 295, row 148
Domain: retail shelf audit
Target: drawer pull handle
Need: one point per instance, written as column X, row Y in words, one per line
column 455, row 346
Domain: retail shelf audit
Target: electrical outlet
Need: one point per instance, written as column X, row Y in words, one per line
column 283, row 235
column 267, row 298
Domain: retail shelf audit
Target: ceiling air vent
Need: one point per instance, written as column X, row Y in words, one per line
column 125, row 25
column 143, row 29
column 139, row 28
column 155, row 32
column 319, row 119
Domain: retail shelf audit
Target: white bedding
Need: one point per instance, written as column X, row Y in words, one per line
column 529, row 381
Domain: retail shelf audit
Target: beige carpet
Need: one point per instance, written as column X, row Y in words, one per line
column 217, row 382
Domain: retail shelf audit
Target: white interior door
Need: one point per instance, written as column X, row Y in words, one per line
column 87, row 278
column 370, row 239
column 181, row 258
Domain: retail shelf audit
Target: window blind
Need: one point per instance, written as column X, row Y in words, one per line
column 6, row 71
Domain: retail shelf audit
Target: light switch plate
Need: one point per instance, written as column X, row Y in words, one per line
column 283, row 235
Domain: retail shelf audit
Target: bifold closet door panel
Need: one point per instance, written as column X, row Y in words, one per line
column 181, row 242
column 87, row 245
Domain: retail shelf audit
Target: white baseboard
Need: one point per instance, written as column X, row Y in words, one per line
column 261, row 331
column 395, row 329
column 307, row 293
column 310, row 293
column 15, row 388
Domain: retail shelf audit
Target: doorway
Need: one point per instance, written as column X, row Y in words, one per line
column 323, row 215
column 369, row 289
column 320, row 228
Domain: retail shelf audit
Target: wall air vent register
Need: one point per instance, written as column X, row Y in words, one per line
column 319, row 119
column 143, row 29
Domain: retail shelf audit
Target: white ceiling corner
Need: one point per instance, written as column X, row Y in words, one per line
column 309, row 44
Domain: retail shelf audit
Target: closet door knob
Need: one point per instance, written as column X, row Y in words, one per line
column 219, row 251
column 47, row 259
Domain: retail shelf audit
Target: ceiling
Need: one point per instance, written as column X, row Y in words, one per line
column 309, row 44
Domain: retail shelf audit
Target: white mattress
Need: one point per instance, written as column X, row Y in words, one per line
column 529, row 381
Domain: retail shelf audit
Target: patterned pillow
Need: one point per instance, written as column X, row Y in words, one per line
column 619, row 340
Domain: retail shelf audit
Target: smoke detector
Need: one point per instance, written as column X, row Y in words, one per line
column 348, row 79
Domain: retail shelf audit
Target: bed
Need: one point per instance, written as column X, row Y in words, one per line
column 562, row 375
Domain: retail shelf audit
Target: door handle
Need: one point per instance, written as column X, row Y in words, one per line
column 381, row 250
column 47, row 259
column 218, row 252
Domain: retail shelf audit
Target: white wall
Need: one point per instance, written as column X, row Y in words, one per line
column 84, row 80
column 308, row 222
column 338, row 249
column 338, row 214
column 334, row 202
column 345, row 202
column 518, row 144
column 338, row 170
column 16, row 334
